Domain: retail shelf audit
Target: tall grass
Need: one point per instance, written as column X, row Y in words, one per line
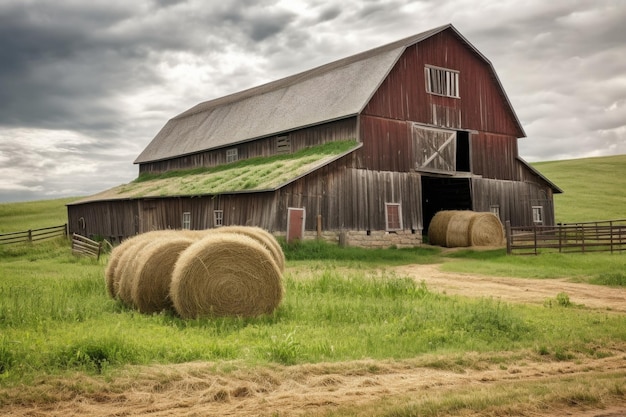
column 55, row 316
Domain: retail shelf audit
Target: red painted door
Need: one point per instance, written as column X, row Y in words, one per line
column 295, row 224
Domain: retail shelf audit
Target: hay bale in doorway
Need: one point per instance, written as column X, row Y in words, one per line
column 263, row 237
column 458, row 232
column 226, row 275
column 486, row 230
column 438, row 228
column 150, row 287
column 463, row 228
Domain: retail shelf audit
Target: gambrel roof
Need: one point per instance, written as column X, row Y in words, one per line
column 330, row 92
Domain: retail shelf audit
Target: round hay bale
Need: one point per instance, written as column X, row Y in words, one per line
column 263, row 237
column 194, row 234
column 226, row 275
column 438, row 228
column 457, row 234
column 127, row 264
column 155, row 263
column 112, row 269
column 486, row 230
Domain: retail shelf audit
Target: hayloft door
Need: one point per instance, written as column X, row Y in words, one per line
column 434, row 149
column 295, row 224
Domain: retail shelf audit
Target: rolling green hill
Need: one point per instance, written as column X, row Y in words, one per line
column 593, row 188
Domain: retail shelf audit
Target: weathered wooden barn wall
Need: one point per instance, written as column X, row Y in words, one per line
column 350, row 198
column 494, row 156
column 346, row 198
column 386, row 144
column 402, row 97
column 515, row 200
column 114, row 220
column 314, row 135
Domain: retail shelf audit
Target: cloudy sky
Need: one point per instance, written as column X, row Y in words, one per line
column 85, row 85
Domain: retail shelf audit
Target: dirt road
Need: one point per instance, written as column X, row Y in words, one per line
column 516, row 290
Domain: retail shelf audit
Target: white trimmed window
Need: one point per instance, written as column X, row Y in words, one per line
column 538, row 214
column 231, row 155
column 393, row 216
column 186, row 220
column 218, row 218
column 442, row 81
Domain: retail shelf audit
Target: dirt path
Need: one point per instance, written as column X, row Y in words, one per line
column 517, row 290
column 197, row 389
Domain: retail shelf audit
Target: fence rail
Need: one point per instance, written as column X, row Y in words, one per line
column 82, row 245
column 33, row 235
column 600, row 236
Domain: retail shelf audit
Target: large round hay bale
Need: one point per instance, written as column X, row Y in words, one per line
column 150, row 287
column 226, row 275
column 112, row 269
column 458, row 232
column 127, row 265
column 462, row 228
column 438, row 228
column 486, row 230
column 262, row 236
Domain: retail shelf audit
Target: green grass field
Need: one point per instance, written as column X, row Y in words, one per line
column 593, row 188
column 341, row 304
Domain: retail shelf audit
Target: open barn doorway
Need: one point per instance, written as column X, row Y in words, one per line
column 444, row 193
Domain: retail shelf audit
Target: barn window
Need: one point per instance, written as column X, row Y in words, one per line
column 218, row 218
column 231, row 155
column 393, row 216
column 495, row 209
column 442, row 81
column 186, row 220
column 538, row 214
column 283, row 144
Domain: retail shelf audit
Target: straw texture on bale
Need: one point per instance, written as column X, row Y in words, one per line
column 263, row 237
column 438, row 228
column 226, row 275
column 113, row 268
column 486, row 230
column 458, row 232
column 462, row 228
column 121, row 257
column 150, row 286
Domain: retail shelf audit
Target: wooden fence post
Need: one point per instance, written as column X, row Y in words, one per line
column 509, row 243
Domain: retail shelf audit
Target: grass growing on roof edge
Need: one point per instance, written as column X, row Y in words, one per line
column 330, row 148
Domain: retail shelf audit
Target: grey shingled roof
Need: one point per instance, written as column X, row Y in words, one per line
column 333, row 91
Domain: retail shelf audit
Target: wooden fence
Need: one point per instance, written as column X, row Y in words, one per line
column 82, row 245
column 601, row 236
column 33, row 235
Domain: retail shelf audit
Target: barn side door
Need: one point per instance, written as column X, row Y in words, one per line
column 295, row 224
column 434, row 149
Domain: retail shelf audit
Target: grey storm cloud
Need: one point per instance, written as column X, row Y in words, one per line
column 84, row 86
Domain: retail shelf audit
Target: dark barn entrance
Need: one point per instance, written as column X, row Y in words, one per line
column 441, row 193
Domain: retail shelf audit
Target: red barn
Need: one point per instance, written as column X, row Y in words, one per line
column 369, row 147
